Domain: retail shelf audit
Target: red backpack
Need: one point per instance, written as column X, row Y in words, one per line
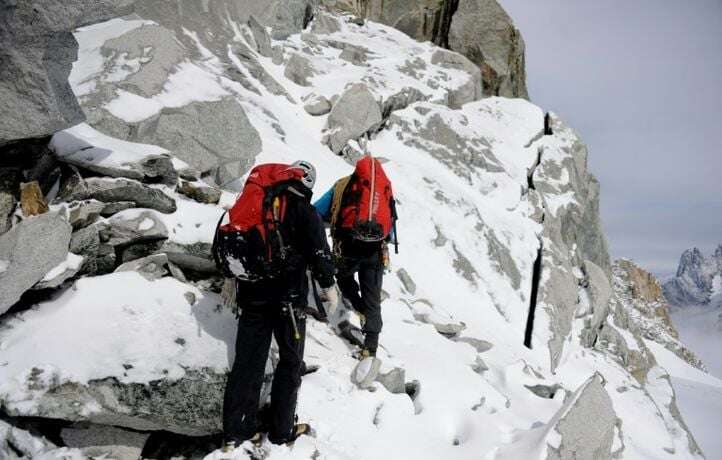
column 250, row 246
column 364, row 203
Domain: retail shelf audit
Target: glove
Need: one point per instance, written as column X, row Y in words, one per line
column 329, row 297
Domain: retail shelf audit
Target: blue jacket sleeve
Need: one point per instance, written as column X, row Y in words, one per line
column 323, row 205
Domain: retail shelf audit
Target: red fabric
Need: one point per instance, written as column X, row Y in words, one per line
column 364, row 207
column 247, row 212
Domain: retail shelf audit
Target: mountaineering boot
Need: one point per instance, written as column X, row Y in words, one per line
column 232, row 444
column 363, row 353
column 299, row 430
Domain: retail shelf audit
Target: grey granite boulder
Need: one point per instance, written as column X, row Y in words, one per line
column 63, row 272
column 317, row 105
column 261, row 37
column 222, row 153
column 394, row 380
column 10, row 179
column 352, row 116
column 191, row 256
column 105, row 441
column 83, row 213
column 150, row 268
column 482, row 31
column 37, row 50
column 122, row 190
column 580, row 439
column 299, row 70
column 125, row 229
column 469, row 91
column 28, row 252
column 200, row 192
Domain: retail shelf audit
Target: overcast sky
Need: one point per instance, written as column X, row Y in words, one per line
column 641, row 81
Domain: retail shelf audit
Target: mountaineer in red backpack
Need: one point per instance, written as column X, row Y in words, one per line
column 272, row 236
column 362, row 212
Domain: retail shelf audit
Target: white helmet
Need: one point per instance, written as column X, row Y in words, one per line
column 309, row 178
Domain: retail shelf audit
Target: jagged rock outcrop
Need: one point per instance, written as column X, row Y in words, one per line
column 646, row 310
column 567, row 195
column 698, row 279
column 479, row 29
column 37, row 50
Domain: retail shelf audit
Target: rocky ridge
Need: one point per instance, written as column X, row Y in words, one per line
column 698, row 280
column 502, row 206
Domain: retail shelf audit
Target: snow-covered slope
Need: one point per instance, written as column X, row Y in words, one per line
column 501, row 246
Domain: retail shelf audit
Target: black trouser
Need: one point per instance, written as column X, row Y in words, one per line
column 241, row 401
column 364, row 295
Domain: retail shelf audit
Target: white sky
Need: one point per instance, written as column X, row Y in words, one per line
column 641, row 81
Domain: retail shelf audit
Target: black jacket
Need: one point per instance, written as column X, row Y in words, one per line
column 304, row 234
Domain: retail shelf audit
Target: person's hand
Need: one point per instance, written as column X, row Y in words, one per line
column 329, row 297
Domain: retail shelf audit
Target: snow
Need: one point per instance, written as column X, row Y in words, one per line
column 188, row 83
column 700, row 328
column 71, row 262
column 84, row 144
column 124, row 317
column 4, row 264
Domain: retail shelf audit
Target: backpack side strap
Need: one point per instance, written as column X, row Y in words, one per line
column 338, row 190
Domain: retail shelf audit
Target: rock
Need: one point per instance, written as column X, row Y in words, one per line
column 28, row 252
column 72, row 186
column 136, row 374
column 20, row 444
column 45, row 169
column 401, row 100
column 545, row 391
column 124, row 190
column 32, row 200
column 469, row 91
column 36, row 55
column 324, row 23
column 479, row 365
column 249, row 61
column 86, row 148
column 600, row 294
column 85, row 241
column 140, row 250
column 10, row 179
column 580, row 439
column 394, row 380
column 642, row 307
column 317, row 106
column 352, row 116
column 479, row 29
column 450, row 329
column 105, row 441
column 200, row 192
column 66, row 270
column 299, row 70
column 150, row 268
column 366, row 372
column 113, row 208
column 177, row 273
column 482, row 31
column 260, row 36
column 694, row 280
column 356, row 55
column 133, row 227
column 83, row 213
column 221, row 154
column 480, row 345
column 406, row 280
column 7, row 207
column 195, row 256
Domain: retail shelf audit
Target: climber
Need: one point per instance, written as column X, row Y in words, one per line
column 275, row 234
column 362, row 213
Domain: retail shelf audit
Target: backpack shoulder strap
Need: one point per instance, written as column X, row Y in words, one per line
column 338, row 190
